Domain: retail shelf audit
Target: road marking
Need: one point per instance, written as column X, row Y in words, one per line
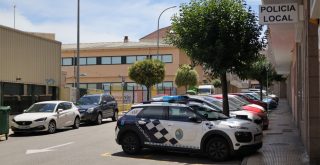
column 48, row 149
column 106, row 154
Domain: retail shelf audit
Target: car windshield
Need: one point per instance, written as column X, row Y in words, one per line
column 204, row 90
column 41, row 108
column 217, row 104
column 245, row 102
column 236, row 101
column 89, row 100
column 208, row 113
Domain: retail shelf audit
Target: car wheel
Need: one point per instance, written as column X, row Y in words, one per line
column 99, row 119
column 76, row 123
column 115, row 116
column 130, row 144
column 217, row 149
column 52, row 127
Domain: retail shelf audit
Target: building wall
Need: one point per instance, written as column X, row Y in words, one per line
column 25, row 58
column 111, row 73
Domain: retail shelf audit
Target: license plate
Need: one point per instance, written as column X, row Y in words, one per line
column 258, row 138
column 24, row 127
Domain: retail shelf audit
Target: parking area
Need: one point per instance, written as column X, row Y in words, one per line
column 91, row 144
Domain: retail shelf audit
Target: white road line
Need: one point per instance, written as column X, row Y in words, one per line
column 48, row 149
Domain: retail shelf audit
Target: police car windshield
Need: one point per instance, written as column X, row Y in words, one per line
column 89, row 100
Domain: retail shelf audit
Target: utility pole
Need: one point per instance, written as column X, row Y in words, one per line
column 78, row 51
column 14, row 15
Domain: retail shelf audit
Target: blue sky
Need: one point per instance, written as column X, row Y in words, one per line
column 101, row 20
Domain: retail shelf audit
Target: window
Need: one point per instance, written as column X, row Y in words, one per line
column 92, row 86
column 83, row 61
column 153, row 113
column 106, row 86
column 116, row 86
column 106, row 60
column 167, row 84
column 66, row 61
column 91, row 60
column 131, row 86
column 116, row 60
column 167, row 58
column 83, row 86
column 67, row 106
column 180, row 114
column 155, row 57
column 131, row 59
column 141, row 58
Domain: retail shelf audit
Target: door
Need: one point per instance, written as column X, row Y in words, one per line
column 185, row 126
column 105, row 107
column 62, row 117
column 150, row 121
column 70, row 114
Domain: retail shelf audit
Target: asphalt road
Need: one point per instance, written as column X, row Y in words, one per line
column 88, row 145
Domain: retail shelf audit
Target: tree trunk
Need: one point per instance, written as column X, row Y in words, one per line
column 186, row 88
column 224, row 85
column 148, row 93
column 260, row 84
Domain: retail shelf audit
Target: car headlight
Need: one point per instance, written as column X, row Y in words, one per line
column 238, row 127
column 41, row 119
column 90, row 110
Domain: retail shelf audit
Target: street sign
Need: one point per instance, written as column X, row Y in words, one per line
column 278, row 13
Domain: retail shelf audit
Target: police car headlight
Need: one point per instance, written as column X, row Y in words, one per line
column 238, row 127
column 90, row 110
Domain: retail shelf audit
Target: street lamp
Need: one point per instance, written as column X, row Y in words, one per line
column 158, row 26
column 78, row 50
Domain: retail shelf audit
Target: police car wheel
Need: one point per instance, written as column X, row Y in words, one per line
column 217, row 149
column 131, row 144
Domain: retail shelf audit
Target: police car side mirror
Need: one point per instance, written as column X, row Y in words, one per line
column 195, row 119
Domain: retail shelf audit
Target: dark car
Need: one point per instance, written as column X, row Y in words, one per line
column 94, row 108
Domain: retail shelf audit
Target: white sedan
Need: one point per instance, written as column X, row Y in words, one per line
column 47, row 116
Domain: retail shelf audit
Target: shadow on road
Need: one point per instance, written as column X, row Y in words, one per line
column 185, row 158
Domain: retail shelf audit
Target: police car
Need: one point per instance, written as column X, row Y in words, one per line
column 178, row 127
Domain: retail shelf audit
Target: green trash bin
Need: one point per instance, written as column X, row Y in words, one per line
column 4, row 120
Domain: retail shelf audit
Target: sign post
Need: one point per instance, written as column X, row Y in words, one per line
column 278, row 13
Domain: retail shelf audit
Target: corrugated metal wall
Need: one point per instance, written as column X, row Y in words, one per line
column 32, row 59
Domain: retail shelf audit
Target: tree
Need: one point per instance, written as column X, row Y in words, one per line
column 220, row 35
column 186, row 76
column 148, row 73
column 263, row 72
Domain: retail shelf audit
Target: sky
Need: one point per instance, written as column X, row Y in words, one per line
column 100, row 20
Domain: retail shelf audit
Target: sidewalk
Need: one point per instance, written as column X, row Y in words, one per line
column 281, row 142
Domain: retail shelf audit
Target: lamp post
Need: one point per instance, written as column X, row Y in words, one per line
column 158, row 35
column 78, row 50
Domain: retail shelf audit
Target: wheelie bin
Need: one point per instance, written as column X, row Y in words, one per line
column 4, row 120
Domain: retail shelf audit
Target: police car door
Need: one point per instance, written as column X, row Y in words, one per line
column 185, row 127
column 150, row 123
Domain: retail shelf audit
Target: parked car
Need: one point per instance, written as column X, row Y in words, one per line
column 47, row 116
column 172, row 126
column 248, row 107
column 251, row 99
column 216, row 105
column 270, row 102
column 94, row 108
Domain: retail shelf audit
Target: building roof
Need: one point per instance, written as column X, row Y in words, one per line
column 154, row 35
column 113, row 45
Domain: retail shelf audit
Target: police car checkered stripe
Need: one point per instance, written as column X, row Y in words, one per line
column 159, row 132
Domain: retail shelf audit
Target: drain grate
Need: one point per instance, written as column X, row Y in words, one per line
column 287, row 130
column 274, row 133
column 279, row 144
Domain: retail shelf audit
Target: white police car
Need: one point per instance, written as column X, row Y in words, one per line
column 179, row 127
